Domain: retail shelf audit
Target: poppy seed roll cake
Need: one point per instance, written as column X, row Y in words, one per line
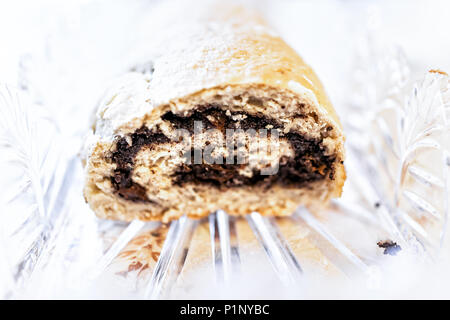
column 227, row 116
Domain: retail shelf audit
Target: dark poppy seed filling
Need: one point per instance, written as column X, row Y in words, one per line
column 221, row 121
column 124, row 158
column 309, row 163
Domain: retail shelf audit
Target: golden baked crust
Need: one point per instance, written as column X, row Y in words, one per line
column 227, row 58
